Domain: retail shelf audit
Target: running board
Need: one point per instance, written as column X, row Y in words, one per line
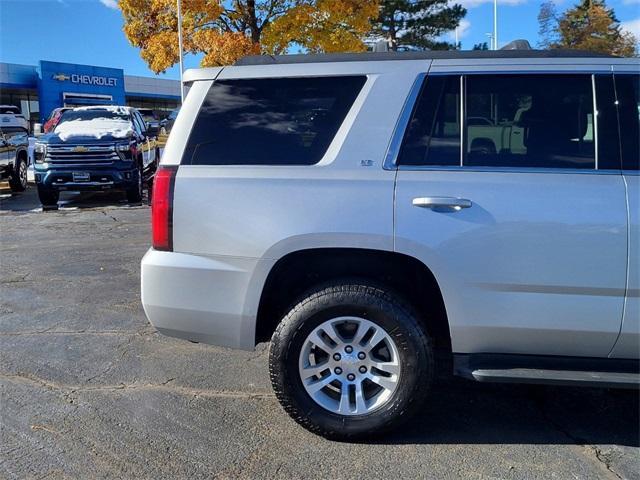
column 570, row 371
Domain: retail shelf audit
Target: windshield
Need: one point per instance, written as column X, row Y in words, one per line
column 95, row 122
column 9, row 110
column 92, row 115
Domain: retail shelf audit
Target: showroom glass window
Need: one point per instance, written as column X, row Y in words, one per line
column 270, row 121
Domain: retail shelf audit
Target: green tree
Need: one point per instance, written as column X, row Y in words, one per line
column 589, row 25
column 418, row 23
column 548, row 25
column 481, row 46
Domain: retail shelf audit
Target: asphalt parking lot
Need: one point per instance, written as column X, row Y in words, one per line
column 89, row 390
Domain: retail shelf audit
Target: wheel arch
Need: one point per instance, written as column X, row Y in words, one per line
column 300, row 270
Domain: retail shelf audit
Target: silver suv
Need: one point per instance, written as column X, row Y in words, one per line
column 384, row 218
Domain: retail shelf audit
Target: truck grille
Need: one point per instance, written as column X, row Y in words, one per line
column 80, row 154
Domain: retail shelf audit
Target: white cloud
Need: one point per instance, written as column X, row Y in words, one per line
column 476, row 3
column 631, row 2
column 632, row 26
column 463, row 30
column 110, row 3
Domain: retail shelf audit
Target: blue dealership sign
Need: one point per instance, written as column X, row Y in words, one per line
column 71, row 84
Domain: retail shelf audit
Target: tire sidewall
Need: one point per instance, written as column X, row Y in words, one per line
column 395, row 320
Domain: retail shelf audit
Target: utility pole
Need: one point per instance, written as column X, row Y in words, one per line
column 495, row 24
column 180, row 48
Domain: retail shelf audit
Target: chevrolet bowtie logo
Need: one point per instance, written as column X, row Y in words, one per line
column 80, row 148
column 61, row 77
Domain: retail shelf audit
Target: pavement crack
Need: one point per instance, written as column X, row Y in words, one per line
column 163, row 387
column 109, row 215
column 50, row 331
column 16, row 279
column 598, row 454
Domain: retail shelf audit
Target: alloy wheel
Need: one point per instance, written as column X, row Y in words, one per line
column 349, row 366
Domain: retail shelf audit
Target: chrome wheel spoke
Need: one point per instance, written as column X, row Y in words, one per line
column 314, row 370
column 375, row 339
column 315, row 386
column 345, row 404
column 360, row 333
column 331, row 332
column 385, row 382
column 320, row 342
column 392, row 368
column 361, row 404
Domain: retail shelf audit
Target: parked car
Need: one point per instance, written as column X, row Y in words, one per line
column 344, row 207
column 14, row 158
column 54, row 118
column 166, row 124
column 11, row 116
column 150, row 120
column 95, row 148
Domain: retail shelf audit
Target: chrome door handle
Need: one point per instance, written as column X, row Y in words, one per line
column 442, row 203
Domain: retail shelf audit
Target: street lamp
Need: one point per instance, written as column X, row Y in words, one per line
column 180, row 48
column 495, row 24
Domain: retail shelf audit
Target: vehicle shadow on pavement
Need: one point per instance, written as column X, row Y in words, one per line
column 466, row 412
column 28, row 201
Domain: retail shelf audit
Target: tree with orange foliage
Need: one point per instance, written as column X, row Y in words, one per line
column 227, row 30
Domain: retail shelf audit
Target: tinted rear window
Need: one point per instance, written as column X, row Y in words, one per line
column 273, row 121
column 628, row 96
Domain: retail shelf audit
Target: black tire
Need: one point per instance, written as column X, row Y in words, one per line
column 18, row 178
column 48, row 198
column 134, row 194
column 378, row 306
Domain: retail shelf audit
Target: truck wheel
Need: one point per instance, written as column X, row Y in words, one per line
column 350, row 360
column 134, row 194
column 48, row 198
column 18, row 179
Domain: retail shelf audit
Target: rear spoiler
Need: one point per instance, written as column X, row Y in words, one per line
column 198, row 74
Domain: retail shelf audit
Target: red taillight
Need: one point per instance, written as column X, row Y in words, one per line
column 162, row 208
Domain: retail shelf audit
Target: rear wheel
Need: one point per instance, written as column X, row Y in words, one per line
column 18, row 179
column 48, row 197
column 350, row 360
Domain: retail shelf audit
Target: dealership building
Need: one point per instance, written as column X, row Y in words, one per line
column 37, row 90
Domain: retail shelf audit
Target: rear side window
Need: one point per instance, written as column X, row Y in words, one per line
column 543, row 121
column 628, row 99
column 528, row 121
column 433, row 134
column 271, row 121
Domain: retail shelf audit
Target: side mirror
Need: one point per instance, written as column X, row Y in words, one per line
column 37, row 130
column 152, row 128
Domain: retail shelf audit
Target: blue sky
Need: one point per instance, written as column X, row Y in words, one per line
column 90, row 31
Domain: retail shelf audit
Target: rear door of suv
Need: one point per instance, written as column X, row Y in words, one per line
column 627, row 83
column 509, row 188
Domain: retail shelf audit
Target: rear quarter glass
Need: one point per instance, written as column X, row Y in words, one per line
column 270, row 121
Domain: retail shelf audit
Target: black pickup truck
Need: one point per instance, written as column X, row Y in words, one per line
column 95, row 148
column 14, row 159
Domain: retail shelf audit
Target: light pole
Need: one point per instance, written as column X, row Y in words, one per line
column 180, row 48
column 495, row 24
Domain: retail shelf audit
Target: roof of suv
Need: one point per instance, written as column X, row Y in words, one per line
column 425, row 55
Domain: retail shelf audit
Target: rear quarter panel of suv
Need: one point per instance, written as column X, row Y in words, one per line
column 232, row 223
